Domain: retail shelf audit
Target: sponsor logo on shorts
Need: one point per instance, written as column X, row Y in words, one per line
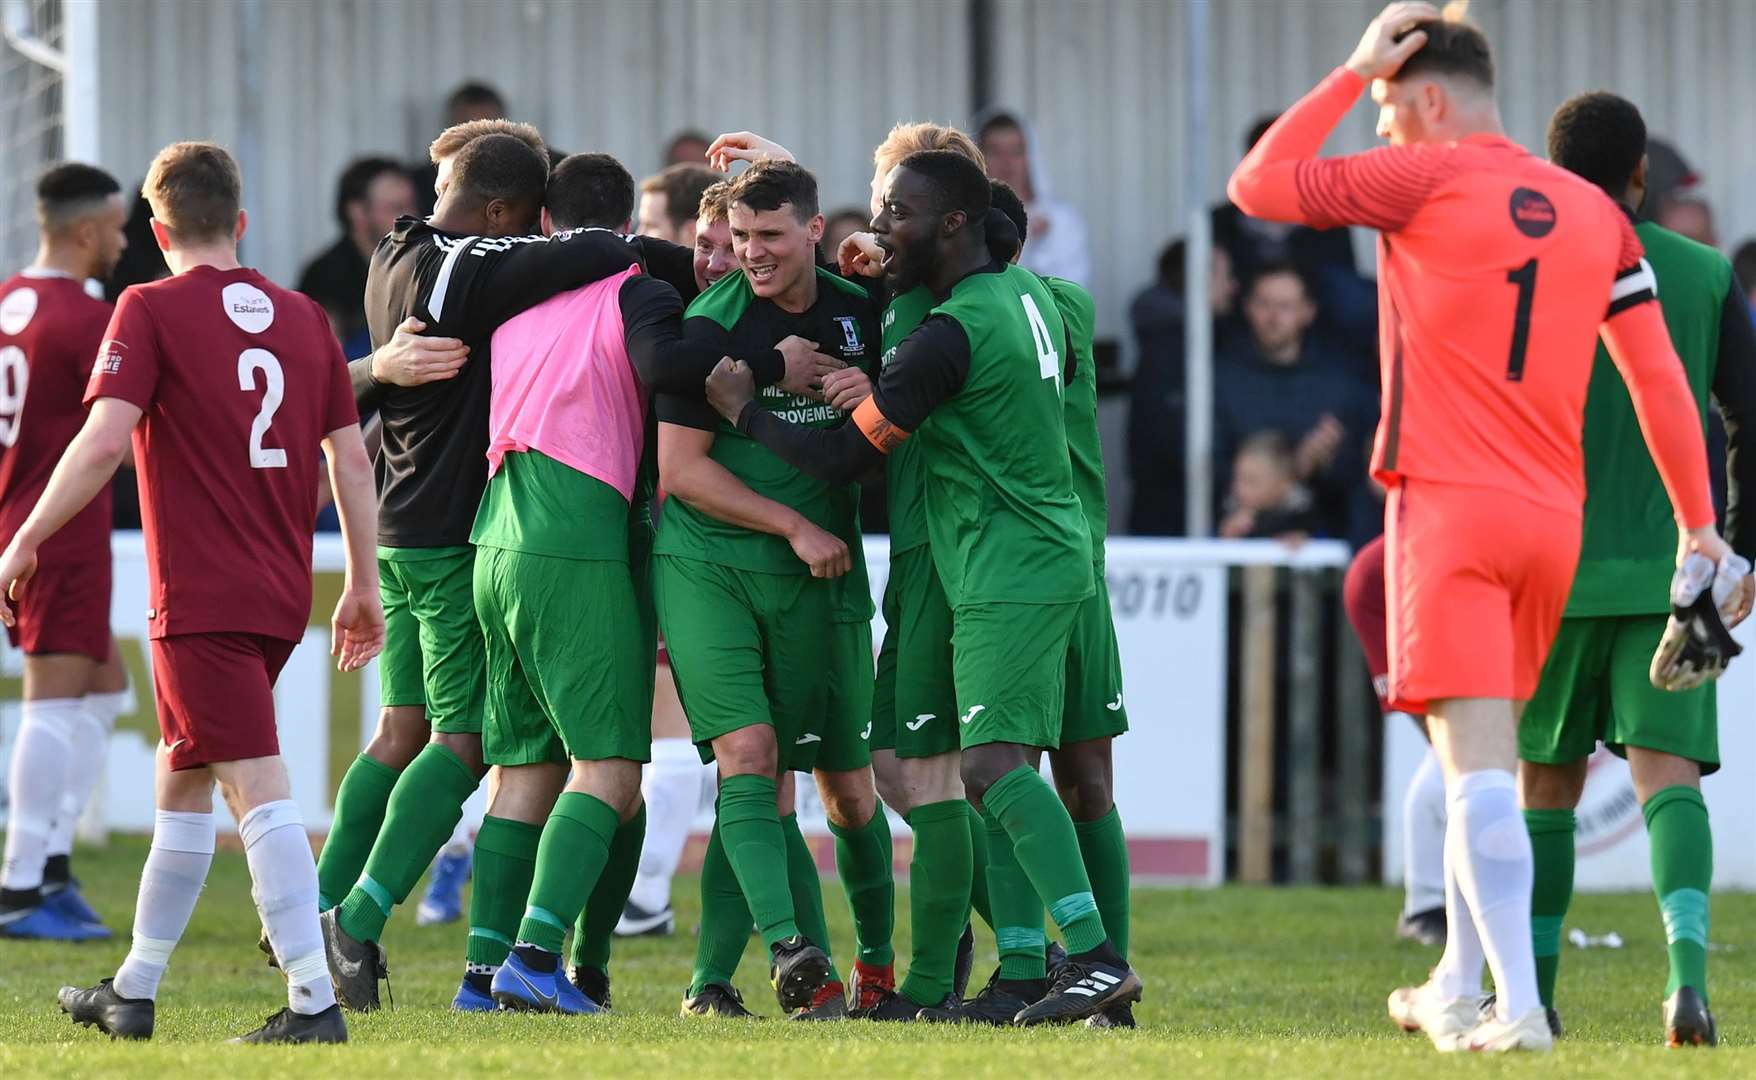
column 866, row 734
column 179, row 742
column 915, row 724
column 248, row 307
column 971, row 715
column 807, row 738
column 1116, row 705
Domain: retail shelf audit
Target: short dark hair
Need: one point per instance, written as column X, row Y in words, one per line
column 501, row 167
column 1454, row 48
column 1744, row 263
column 686, row 135
column 590, row 191
column 1599, row 136
column 357, row 179
column 682, row 185
column 771, row 184
column 994, row 122
column 195, row 191
column 1258, row 128
column 960, row 182
column 1279, row 268
column 70, row 190
column 1005, row 200
column 475, row 93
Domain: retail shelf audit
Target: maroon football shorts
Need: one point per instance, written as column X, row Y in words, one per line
column 65, row 608
column 216, row 695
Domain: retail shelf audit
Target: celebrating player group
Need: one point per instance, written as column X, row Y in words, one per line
column 586, row 439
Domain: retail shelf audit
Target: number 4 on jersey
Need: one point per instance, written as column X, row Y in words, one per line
column 1048, row 360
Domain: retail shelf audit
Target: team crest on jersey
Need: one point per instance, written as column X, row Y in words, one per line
column 1532, row 213
column 16, row 310
column 850, row 330
column 109, row 357
column 248, row 307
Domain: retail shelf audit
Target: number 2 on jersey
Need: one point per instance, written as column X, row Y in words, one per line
column 1048, row 360
column 250, row 361
column 1525, row 278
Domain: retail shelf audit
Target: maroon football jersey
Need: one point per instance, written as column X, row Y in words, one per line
column 239, row 380
column 49, row 329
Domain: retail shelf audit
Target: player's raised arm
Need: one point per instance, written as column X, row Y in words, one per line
column 409, row 358
column 1282, row 179
column 673, row 355
column 89, row 463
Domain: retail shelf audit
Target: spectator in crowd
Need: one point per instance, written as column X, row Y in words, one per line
column 371, row 194
column 1691, row 216
column 1156, row 417
column 469, row 101
column 1744, row 265
column 1267, row 500
column 669, row 200
column 687, row 147
column 1277, row 378
column 1668, row 176
column 1057, row 245
column 1347, row 302
column 840, row 225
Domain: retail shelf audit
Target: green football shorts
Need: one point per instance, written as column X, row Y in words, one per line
column 1094, row 708
column 914, row 701
column 566, row 667
column 847, row 721
column 747, row 648
column 432, row 643
column 1595, row 689
column 1010, row 662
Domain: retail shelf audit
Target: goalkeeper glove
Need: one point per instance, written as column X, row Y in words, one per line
column 1696, row 646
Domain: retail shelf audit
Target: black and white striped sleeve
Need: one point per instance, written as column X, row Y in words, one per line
column 483, row 281
column 1633, row 286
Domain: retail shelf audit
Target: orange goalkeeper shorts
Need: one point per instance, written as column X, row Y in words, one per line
column 1476, row 580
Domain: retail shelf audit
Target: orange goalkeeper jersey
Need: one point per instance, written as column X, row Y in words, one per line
column 1496, row 272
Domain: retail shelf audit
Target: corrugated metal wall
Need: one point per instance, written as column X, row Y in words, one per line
column 1101, row 78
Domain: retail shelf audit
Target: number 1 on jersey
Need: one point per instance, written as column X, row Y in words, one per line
column 273, row 388
column 1525, row 278
column 1048, row 360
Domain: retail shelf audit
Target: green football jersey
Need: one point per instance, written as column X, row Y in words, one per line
column 1004, row 522
column 1079, row 408
column 844, row 324
column 1629, row 549
column 904, row 481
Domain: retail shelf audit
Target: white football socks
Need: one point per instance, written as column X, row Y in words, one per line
column 1423, row 838
column 36, row 781
column 170, row 883
column 284, row 879
column 1491, row 854
column 671, row 787
column 85, row 767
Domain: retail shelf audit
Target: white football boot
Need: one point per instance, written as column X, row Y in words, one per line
column 1496, row 1036
column 1444, row 1020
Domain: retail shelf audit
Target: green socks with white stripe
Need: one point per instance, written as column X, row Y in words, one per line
column 1682, row 875
column 505, row 861
column 570, row 857
column 1047, row 849
column 1551, row 849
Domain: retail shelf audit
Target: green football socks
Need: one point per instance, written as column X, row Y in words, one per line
column 939, row 879
column 978, row 865
column 1047, row 849
column 863, row 862
column 359, row 813
column 574, row 848
column 807, row 890
column 422, row 812
column 596, row 929
column 1682, row 876
column 1551, row 850
column 750, row 829
column 725, row 919
column 1018, row 910
column 1104, row 849
column 505, row 861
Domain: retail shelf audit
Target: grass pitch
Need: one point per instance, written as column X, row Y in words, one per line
column 1240, row 982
